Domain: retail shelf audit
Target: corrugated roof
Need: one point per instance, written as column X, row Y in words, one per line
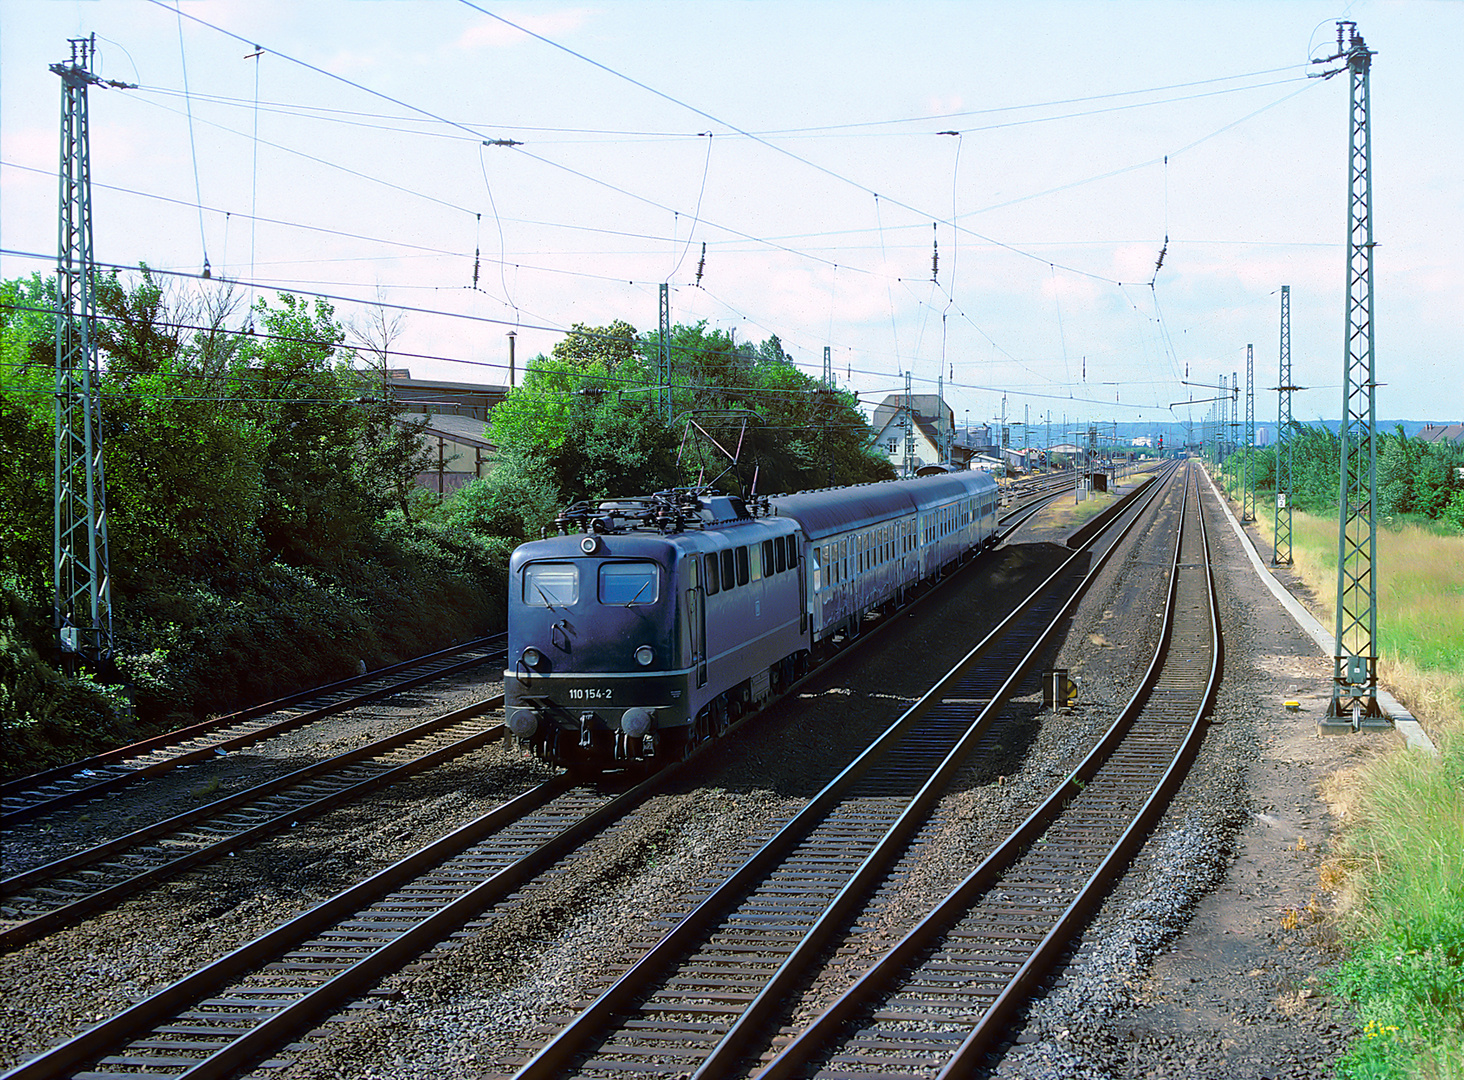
column 468, row 430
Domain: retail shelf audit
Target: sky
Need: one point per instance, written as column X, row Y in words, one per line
column 976, row 194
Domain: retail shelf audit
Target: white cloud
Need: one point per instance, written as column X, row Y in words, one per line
column 491, row 34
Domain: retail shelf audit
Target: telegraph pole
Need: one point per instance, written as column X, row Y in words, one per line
column 1281, row 549
column 663, row 373
column 1248, row 500
column 1235, row 428
column 82, row 615
column 909, row 469
column 1027, row 438
column 1354, row 667
column 940, row 427
column 1220, row 433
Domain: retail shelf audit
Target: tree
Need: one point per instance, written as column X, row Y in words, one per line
column 789, row 432
column 27, row 426
column 184, row 471
column 392, row 449
column 585, row 418
column 297, row 382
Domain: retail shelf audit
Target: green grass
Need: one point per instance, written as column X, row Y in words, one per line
column 1398, row 862
column 1402, row 851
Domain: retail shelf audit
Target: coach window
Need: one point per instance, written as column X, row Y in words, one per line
column 627, row 583
column 742, row 565
column 551, row 585
column 729, row 570
column 713, row 578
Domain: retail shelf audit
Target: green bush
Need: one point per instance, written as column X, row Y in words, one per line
column 48, row 719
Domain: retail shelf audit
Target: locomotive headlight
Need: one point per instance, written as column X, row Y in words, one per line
column 644, row 655
column 532, row 658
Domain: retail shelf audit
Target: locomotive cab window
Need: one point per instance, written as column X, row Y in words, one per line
column 792, row 546
column 713, row 577
column 551, row 585
column 626, row 583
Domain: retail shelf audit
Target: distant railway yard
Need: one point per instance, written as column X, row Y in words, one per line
column 910, row 862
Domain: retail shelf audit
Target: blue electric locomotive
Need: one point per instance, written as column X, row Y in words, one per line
column 650, row 624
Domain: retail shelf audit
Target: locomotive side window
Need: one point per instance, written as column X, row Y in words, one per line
column 713, row 578
column 742, row 565
column 551, row 585
column 628, row 583
column 780, row 560
column 769, row 569
column 792, row 552
column 729, row 570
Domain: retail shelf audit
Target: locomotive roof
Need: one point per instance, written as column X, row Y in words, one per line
column 833, row 510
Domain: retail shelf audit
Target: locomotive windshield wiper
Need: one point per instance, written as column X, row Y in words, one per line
column 636, row 597
column 547, row 602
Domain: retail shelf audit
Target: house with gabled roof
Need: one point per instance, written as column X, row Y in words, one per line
column 914, row 430
column 1442, row 433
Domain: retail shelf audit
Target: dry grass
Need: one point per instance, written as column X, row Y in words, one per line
column 1435, row 695
column 1065, row 513
column 1420, row 583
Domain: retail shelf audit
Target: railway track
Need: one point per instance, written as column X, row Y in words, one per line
column 30, row 797
column 248, row 1004
column 939, row 1001
column 46, row 898
column 253, row 1000
column 691, row 1003
column 43, row 899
